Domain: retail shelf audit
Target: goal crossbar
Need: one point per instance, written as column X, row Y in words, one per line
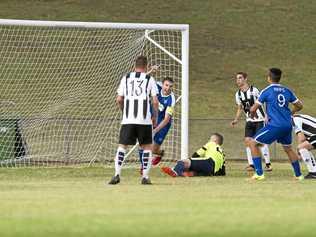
column 109, row 25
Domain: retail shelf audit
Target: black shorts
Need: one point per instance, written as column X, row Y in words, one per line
column 202, row 167
column 251, row 128
column 130, row 133
column 312, row 140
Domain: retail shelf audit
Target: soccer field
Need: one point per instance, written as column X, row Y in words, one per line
column 77, row 202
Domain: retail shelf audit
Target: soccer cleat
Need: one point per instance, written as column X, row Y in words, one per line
column 268, row 167
column 188, row 174
column 310, row 175
column 299, row 178
column 250, row 168
column 146, row 181
column 257, row 177
column 156, row 160
column 115, row 179
column 167, row 170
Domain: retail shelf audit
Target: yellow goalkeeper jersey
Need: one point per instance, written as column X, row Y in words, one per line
column 213, row 151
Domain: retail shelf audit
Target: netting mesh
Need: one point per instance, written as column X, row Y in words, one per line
column 58, row 90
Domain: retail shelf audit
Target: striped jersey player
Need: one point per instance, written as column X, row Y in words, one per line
column 245, row 98
column 305, row 130
column 135, row 91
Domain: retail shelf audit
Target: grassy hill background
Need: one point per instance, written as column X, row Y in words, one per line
column 225, row 36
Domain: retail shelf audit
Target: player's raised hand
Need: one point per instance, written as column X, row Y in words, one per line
column 234, row 122
column 153, row 69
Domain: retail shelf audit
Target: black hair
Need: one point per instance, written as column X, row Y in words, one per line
column 244, row 74
column 219, row 137
column 168, row 79
column 275, row 74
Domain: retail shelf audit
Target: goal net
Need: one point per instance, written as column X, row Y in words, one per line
column 58, row 88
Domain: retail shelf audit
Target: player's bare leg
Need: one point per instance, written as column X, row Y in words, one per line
column 250, row 166
column 157, row 154
column 308, row 158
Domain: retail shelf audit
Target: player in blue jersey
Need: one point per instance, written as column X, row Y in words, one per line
column 167, row 102
column 276, row 97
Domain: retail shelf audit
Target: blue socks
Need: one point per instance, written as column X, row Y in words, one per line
column 140, row 153
column 257, row 164
column 179, row 168
column 296, row 168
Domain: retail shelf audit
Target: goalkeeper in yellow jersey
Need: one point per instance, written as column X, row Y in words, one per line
column 209, row 160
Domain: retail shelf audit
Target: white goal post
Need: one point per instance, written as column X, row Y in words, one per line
column 59, row 80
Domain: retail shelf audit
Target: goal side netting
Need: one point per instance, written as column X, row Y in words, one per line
column 58, row 88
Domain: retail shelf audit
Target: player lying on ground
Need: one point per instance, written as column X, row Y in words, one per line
column 133, row 98
column 245, row 98
column 305, row 130
column 279, row 125
column 209, row 160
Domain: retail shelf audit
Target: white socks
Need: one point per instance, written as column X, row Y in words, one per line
column 119, row 159
column 146, row 158
column 265, row 153
column 249, row 156
column 309, row 159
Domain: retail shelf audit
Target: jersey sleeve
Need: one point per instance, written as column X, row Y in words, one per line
column 293, row 98
column 159, row 84
column 153, row 87
column 238, row 102
column 256, row 92
column 262, row 97
column 297, row 125
column 120, row 89
column 201, row 151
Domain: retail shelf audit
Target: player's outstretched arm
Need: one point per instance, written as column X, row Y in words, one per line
column 120, row 101
column 166, row 120
column 153, row 69
column 297, row 106
column 253, row 109
column 237, row 116
column 155, row 104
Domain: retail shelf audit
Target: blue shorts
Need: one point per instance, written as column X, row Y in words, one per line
column 161, row 135
column 269, row 134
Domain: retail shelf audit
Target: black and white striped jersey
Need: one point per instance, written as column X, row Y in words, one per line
column 247, row 99
column 136, row 88
column 305, row 124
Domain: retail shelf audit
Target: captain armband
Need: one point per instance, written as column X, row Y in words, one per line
column 170, row 110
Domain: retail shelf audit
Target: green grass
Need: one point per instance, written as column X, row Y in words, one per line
column 76, row 202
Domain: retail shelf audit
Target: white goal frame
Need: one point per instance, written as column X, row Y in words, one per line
column 184, row 61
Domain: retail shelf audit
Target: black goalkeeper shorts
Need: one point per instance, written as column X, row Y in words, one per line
column 202, row 167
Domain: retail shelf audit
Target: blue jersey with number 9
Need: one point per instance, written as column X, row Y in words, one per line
column 277, row 99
